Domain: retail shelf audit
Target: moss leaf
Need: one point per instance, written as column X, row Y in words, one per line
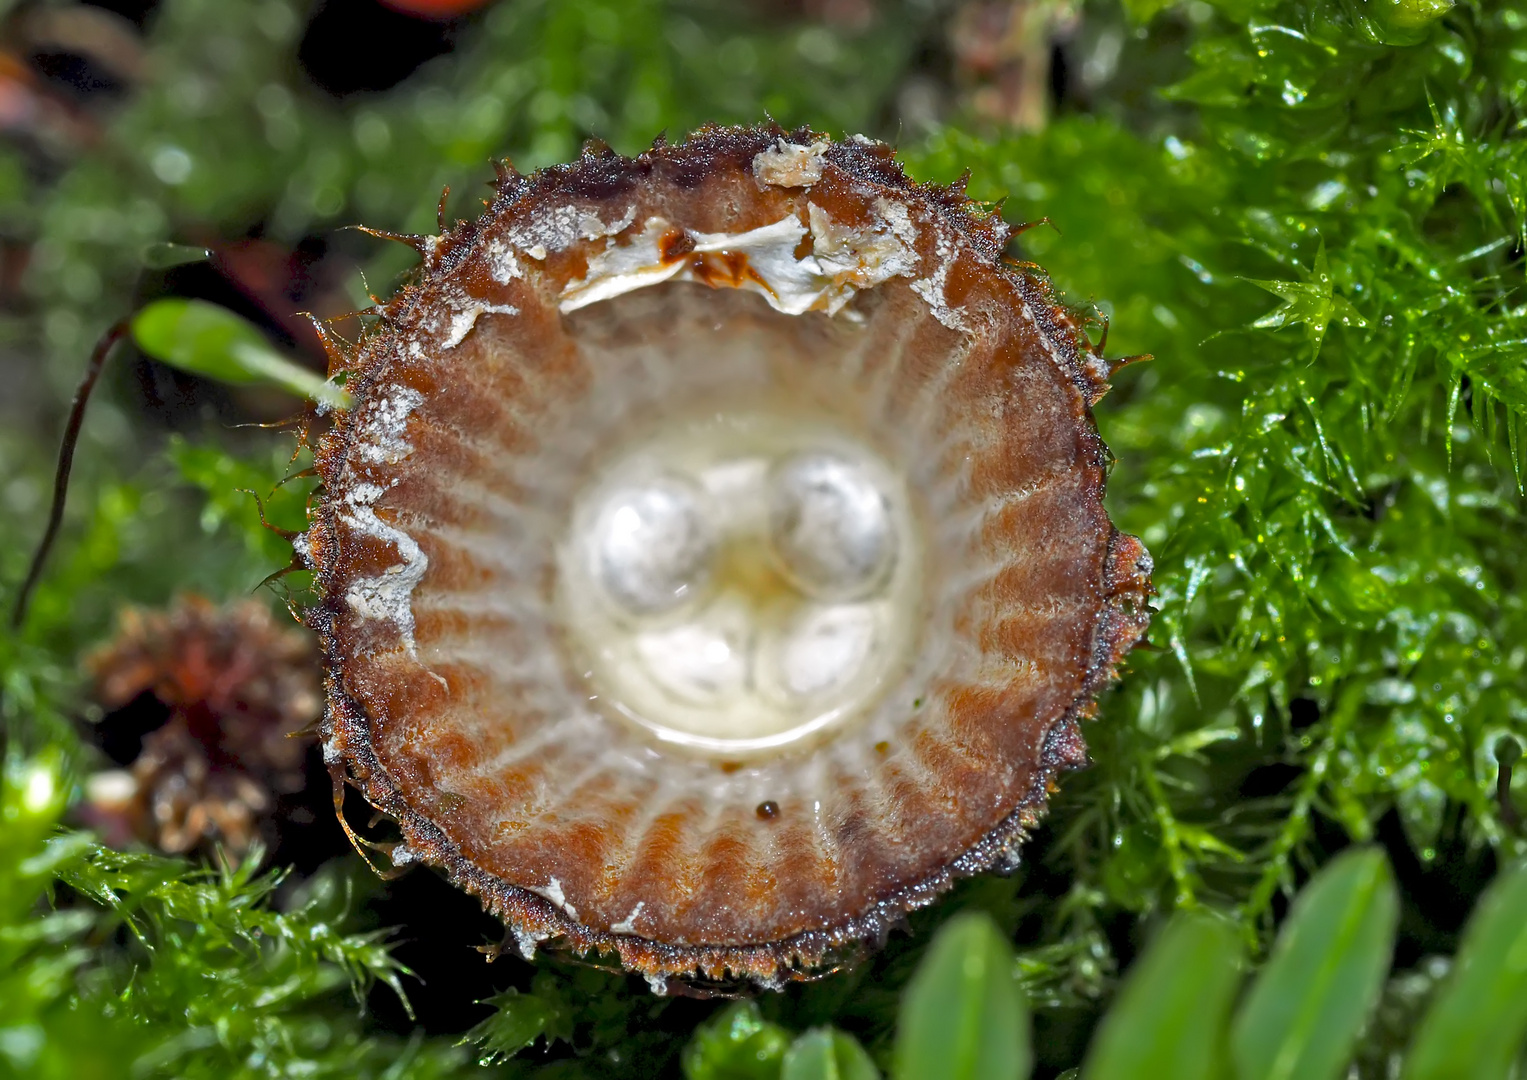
column 1170, row 1015
column 1476, row 1026
column 827, row 1054
column 964, row 1016
column 1305, row 1010
column 737, row 1044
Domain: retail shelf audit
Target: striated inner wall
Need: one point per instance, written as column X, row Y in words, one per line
column 494, row 693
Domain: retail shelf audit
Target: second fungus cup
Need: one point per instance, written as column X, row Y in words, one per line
column 714, row 558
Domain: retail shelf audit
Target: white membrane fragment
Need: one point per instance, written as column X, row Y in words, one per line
column 526, row 941
column 842, row 260
column 502, row 264
column 628, row 924
column 788, row 164
column 553, row 893
column 560, row 228
column 931, row 289
column 863, row 258
column 387, row 422
column 462, row 321
column 388, row 596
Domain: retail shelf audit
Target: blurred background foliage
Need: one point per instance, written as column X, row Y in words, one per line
column 1310, row 212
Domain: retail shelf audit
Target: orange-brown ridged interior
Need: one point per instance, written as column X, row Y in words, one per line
column 478, row 733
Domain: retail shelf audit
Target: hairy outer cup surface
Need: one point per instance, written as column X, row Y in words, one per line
column 714, row 558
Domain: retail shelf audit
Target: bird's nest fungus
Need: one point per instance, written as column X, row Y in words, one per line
column 714, row 561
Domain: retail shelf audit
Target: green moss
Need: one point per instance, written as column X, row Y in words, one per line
column 145, row 966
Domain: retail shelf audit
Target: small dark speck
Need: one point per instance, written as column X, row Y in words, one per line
column 882, row 746
column 917, row 703
column 768, row 810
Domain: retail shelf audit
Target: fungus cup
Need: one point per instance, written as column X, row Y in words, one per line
column 714, row 563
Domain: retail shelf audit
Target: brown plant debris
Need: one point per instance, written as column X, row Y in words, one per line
column 239, row 687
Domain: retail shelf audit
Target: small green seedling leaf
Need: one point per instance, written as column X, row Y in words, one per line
column 207, row 340
column 738, row 1044
column 1475, row 1027
column 1326, row 971
column 964, row 1015
column 1169, row 1019
column 827, row 1054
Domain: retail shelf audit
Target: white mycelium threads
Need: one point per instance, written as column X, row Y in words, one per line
column 741, row 582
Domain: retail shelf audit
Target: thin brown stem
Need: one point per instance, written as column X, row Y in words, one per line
column 98, row 355
column 1507, row 753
